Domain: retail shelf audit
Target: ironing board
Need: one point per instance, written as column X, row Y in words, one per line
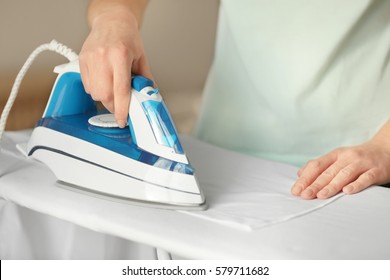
column 347, row 227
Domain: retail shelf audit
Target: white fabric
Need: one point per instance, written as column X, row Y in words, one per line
column 324, row 230
column 27, row 234
column 292, row 80
column 245, row 192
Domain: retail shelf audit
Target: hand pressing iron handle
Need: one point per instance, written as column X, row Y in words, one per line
column 150, row 123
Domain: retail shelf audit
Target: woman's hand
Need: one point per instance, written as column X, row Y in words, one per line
column 349, row 170
column 112, row 51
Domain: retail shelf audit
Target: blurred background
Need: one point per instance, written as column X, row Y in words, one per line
column 178, row 35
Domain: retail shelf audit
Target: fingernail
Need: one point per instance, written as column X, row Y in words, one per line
column 323, row 193
column 308, row 193
column 296, row 190
column 348, row 189
column 121, row 123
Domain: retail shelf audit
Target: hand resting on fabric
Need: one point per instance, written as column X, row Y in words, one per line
column 349, row 169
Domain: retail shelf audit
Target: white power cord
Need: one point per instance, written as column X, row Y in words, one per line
column 52, row 46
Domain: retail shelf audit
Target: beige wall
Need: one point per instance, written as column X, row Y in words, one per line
column 178, row 35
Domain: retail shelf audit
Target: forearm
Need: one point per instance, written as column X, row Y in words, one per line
column 98, row 8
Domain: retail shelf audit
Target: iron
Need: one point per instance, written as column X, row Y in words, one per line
column 83, row 146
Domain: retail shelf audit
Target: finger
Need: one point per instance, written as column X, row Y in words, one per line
column 101, row 86
column 84, row 75
column 345, row 176
column 310, row 172
column 109, row 105
column 321, row 182
column 299, row 173
column 141, row 67
column 122, row 91
column 365, row 180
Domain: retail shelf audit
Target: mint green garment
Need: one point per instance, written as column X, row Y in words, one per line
column 293, row 80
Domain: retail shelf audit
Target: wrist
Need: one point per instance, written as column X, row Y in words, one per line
column 125, row 8
column 118, row 14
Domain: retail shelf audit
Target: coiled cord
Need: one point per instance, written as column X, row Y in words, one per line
column 52, row 46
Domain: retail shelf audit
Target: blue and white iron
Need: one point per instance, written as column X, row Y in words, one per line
column 83, row 146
